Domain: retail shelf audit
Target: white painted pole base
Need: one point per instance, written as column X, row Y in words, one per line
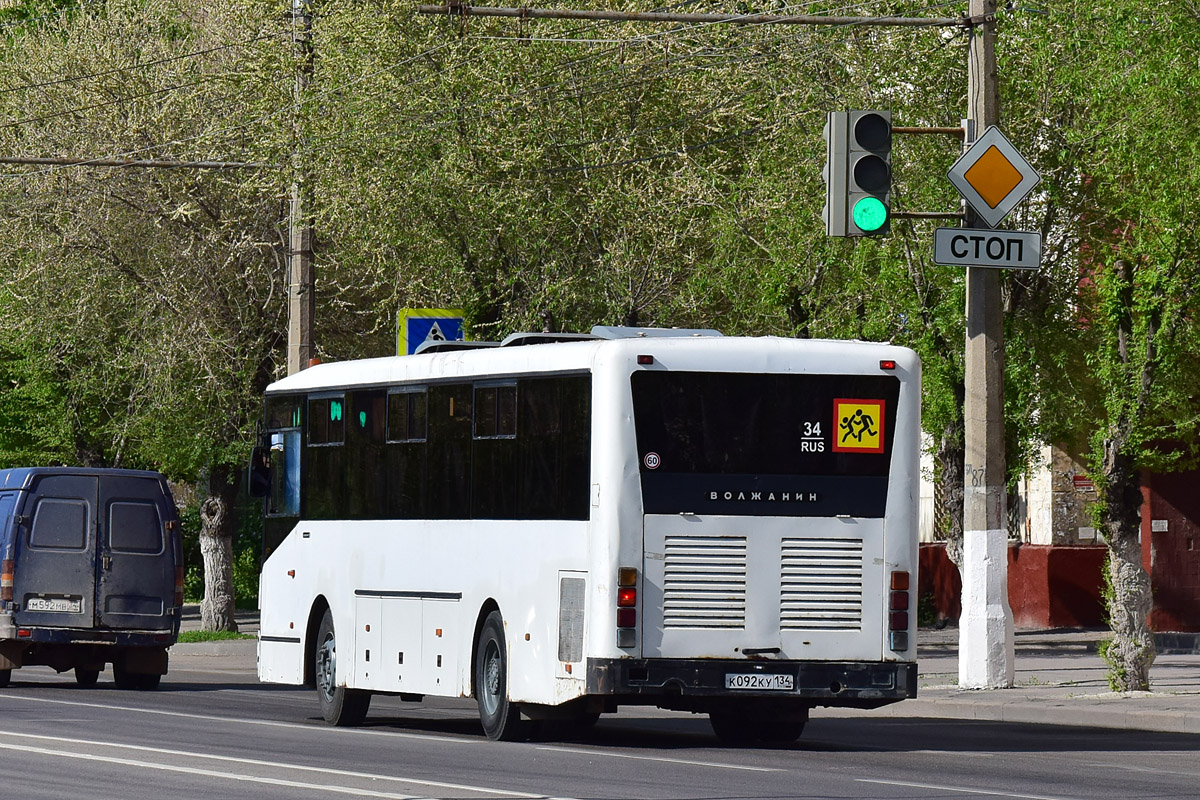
column 985, row 638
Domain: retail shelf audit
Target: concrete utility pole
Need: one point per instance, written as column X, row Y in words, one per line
column 301, row 298
column 985, row 645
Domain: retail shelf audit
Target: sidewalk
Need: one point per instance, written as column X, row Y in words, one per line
column 1060, row 680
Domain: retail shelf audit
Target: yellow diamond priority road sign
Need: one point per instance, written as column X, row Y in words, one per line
column 993, row 176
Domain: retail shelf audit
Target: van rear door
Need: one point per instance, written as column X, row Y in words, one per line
column 136, row 567
column 55, row 572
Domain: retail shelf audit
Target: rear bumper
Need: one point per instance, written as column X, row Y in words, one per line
column 818, row 683
column 13, row 630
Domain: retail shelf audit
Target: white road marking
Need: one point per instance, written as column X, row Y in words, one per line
column 963, row 790
column 254, row 762
column 261, row 722
column 716, row 764
column 207, row 773
column 1155, row 770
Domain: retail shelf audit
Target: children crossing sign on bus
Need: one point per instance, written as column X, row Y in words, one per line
column 859, row 426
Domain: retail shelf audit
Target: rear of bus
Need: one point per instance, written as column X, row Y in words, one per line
column 773, row 567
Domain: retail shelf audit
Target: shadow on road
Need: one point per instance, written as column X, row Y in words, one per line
column 630, row 732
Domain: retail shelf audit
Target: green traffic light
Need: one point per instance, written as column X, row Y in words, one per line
column 870, row 214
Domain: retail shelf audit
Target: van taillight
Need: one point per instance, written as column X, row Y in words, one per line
column 898, row 606
column 6, row 580
column 627, row 607
column 179, row 586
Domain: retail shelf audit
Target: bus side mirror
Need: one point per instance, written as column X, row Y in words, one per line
column 258, row 481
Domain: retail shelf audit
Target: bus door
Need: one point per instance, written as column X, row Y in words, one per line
column 54, row 578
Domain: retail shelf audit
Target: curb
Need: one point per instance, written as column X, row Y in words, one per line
column 229, row 647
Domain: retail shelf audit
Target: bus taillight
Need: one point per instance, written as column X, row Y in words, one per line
column 898, row 605
column 179, row 574
column 627, row 607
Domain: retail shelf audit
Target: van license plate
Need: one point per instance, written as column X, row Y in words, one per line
column 67, row 605
column 760, row 682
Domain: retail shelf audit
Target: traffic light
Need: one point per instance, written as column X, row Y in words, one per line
column 858, row 173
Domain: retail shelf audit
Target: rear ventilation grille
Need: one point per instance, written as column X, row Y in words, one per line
column 821, row 584
column 704, row 582
column 571, row 596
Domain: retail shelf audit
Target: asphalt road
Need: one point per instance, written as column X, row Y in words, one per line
column 211, row 731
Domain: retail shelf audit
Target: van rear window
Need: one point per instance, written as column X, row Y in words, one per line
column 59, row 524
column 134, row 527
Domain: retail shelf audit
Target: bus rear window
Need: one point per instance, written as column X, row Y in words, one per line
column 755, row 424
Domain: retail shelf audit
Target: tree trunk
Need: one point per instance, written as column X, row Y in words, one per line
column 216, row 546
column 1131, row 651
column 950, row 457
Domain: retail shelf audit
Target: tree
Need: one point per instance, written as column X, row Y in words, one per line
column 156, row 296
column 1118, row 85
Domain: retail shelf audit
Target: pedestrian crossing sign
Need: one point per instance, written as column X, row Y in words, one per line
column 419, row 325
column 858, row 426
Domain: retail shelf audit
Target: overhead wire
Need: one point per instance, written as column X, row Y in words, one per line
column 132, row 67
column 573, row 84
column 574, row 88
column 341, row 89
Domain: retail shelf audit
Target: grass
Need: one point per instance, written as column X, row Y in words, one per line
column 191, row 637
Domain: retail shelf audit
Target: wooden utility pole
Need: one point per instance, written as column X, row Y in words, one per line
column 985, row 650
column 301, row 298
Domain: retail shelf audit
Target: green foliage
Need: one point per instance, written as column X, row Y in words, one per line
column 247, row 556
column 147, row 296
column 560, row 175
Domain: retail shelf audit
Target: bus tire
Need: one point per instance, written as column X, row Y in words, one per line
column 125, row 678
column 501, row 718
column 5, row 677
column 740, row 724
column 341, row 707
column 122, row 677
column 148, row 682
column 85, row 677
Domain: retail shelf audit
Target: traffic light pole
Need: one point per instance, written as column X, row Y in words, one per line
column 985, row 649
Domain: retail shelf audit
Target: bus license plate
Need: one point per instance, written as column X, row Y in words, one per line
column 69, row 605
column 760, row 682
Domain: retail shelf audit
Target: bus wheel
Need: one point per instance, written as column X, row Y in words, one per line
column 340, row 706
column 747, row 724
column 501, row 718
column 86, row 677
column 5, row 677
column 148, row 682
column 124, row 679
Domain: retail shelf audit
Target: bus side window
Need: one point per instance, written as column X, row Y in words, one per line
column 365, row 458
column 326, row 420
column 448, row 454
column 494, row 463
column 555, row 421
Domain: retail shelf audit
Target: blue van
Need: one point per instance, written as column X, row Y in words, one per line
column 91, row 573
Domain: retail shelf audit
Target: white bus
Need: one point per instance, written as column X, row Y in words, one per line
column 560, row 524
